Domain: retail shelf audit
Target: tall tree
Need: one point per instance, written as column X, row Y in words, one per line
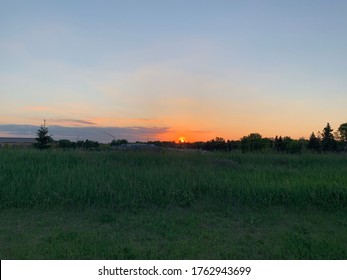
column 313, row 143
column 43, row 139
column 328, row 140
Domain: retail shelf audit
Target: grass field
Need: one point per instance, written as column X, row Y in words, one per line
column 172, row 205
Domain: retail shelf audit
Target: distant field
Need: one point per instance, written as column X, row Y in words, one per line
column 172, row 205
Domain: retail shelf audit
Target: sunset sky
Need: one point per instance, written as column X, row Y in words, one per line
column 164, row 69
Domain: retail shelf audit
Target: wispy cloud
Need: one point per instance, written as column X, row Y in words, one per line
column 71, row 121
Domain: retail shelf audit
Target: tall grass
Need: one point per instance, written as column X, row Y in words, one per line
column 128, row 179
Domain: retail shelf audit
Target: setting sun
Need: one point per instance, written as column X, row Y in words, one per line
column 182, row 139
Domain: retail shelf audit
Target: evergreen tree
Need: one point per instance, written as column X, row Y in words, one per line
column 313, row 143
column 43, row 139
column 328, row 140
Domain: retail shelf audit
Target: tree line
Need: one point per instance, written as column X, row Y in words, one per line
column 325, row 141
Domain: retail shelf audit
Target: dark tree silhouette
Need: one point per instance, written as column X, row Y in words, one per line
column 279, row 144
column 343, row 135
column 43, row 139
column 252, row 142
column 313, row 143
column 65, row 144
column 119, row 142
column 89, row 144
column 215, row 144
column 328, row 141
column 343, row 131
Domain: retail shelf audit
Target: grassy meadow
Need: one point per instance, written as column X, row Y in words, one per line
column 171, row 205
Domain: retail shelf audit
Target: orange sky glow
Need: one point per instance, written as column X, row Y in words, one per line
column 208, row 70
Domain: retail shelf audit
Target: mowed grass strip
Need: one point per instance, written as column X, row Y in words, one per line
column 176, row 233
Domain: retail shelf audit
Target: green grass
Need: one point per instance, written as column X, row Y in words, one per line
column 172, row 205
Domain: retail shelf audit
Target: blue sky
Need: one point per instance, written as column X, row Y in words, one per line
column 198, row 69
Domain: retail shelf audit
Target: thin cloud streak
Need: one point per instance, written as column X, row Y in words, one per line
column 74, row 121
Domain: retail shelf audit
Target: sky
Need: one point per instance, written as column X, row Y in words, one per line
column 162, row 69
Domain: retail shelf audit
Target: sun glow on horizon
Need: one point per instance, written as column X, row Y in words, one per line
column 182, row 139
